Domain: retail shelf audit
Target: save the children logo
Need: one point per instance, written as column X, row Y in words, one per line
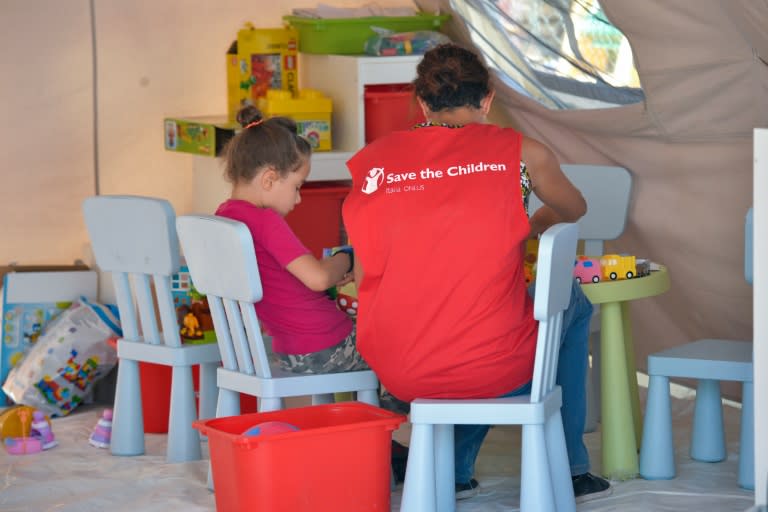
column 374, row 180
column 415, row 180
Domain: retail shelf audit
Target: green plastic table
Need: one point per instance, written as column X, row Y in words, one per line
column 620, row 407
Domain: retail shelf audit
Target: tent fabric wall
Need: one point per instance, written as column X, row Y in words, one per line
column 46, row 137
column 689, row 148
column 153, row 59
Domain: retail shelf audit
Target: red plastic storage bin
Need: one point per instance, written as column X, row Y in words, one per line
column 156, row 396
column 389, row 108
column 338, row 460
column 316, row 220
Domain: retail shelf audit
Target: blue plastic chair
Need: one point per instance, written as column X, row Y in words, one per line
column 135, row 239
column 222, row 264
column 608, row 191
column 710, row 361
column 545, row 477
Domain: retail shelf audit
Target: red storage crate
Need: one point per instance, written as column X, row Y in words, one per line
column 316, row 220
column 156, row 396
column 338, row 460
column 389, row 108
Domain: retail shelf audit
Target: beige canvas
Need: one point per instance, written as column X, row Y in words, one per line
column 689, row 147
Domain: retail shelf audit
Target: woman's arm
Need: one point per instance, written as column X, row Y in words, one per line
column 562, row 202
column 319, row 275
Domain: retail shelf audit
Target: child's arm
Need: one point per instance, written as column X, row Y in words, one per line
column 319, row 275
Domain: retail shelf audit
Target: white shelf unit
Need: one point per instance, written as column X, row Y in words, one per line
column 343, row 78
column 210, row 188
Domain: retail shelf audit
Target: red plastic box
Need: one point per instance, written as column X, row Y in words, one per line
column 317, row 219
column 156, row 396
column 338, row 460
column 389, row 108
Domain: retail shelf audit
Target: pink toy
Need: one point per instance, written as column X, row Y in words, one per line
column 270, row 428
column 102, row 432
column 22, row 445
column 41, row 430
column 587, row 270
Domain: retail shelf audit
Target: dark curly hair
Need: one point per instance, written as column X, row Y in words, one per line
column 263, row 143
column 451, row 76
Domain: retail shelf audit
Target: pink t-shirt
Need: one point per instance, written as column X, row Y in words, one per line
column 299, row 320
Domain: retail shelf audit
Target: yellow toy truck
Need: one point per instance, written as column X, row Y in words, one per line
column 616, row 266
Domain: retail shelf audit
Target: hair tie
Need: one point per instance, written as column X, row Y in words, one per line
column 254, row 123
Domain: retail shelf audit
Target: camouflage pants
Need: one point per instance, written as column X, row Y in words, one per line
column 343, row 357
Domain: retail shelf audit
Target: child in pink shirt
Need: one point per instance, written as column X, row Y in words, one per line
column 267, row 163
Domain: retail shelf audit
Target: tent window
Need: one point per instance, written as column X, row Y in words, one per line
column 563, row 53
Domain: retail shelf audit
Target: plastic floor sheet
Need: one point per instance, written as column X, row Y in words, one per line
column 76, row 477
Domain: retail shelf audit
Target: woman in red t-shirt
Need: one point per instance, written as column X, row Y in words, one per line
column 438, row 217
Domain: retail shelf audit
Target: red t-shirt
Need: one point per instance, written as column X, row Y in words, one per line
column 299, row 320
column 437, row 220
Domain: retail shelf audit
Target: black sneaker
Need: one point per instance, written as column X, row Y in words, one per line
column 588, row 487
column 464, row 491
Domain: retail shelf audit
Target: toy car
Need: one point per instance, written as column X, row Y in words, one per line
column 618, row 266
column 587, row 270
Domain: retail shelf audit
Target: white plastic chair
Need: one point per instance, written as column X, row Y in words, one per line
column 607, row 190
column 545, row 477
column 222, row 263
column 135, row 239
column 710, row 361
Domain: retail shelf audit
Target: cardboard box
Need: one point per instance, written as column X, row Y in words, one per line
column 260, row 59
column 31, row 296
column 204, row 135
column 310, row 109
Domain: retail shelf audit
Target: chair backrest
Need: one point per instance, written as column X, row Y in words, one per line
column 134, row 238
column 554, row 278
column 607, row 191
column 748, row 234
column 221, row 259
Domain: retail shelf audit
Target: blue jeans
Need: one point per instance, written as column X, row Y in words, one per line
column 571, row 377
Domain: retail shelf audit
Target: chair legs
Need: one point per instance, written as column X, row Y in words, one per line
column 228, row 403
column 128, row 422
column 271, row 404
column 430, row 479
column 183, row 440
column 708, row 433
column 419, row 488
column 657, row 452
column 369, row 396
column 535, row 479
column 557, row 454
column 208, row 390
column 445, row 474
